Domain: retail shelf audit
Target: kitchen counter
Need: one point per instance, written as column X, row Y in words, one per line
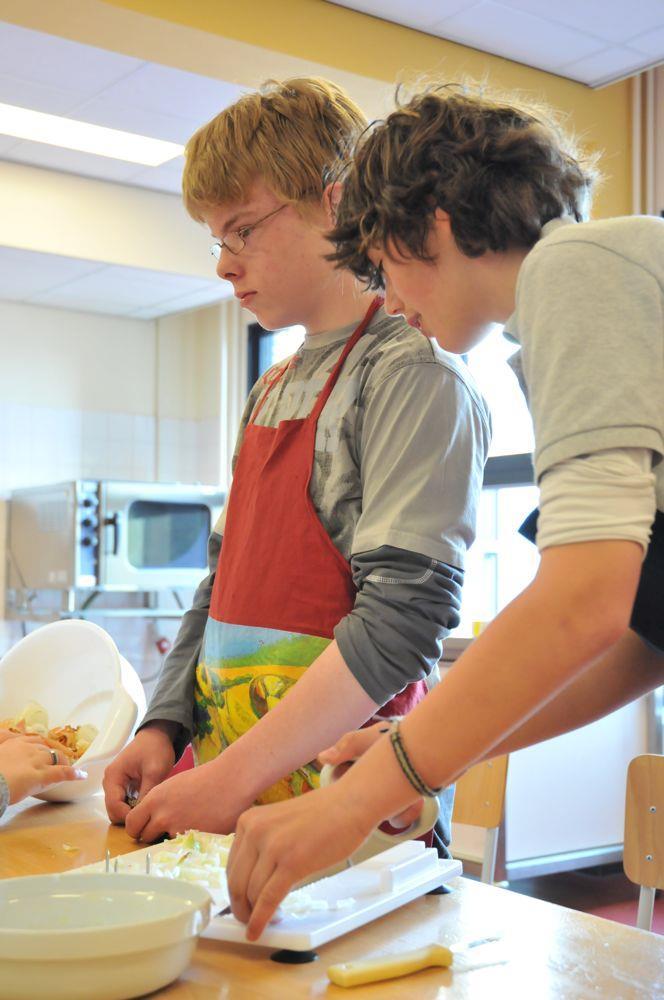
column 545, row 951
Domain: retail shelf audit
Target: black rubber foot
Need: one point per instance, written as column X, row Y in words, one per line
column 288, row 957
column 440, row 890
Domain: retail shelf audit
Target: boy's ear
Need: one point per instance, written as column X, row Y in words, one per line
column 440, row 215
column 331, row 199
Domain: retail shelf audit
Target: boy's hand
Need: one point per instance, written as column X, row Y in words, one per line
column 209, row 797
column 278, row 845
column 352, row 745
column 146, row 761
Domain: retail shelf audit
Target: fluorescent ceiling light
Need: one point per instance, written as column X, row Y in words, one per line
column 57, row 131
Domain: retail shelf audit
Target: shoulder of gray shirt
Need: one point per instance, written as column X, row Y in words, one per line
column 393, row 345
column 388, row 346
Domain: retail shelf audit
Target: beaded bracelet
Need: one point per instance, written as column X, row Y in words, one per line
column 409, row 771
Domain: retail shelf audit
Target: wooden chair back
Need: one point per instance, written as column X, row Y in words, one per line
column 479, row 798
column 643, row 856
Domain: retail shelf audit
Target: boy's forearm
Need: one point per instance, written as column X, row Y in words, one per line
column 325, row 703
column 576, row 609
column 626, row 672
column 532, row 650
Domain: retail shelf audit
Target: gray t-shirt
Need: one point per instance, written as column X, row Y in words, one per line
column 589, row 317
column 400, row 445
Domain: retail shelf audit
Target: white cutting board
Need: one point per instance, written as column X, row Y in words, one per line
column 351, row 898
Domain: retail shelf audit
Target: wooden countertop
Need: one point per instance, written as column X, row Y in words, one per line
column 544, row 952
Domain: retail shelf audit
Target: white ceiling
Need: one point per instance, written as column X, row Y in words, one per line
column 61, row 77
column 84, row 285
column 51, row 74
column 591, row 41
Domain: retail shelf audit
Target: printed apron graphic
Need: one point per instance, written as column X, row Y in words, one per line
column 280, row 588
column 235, row 691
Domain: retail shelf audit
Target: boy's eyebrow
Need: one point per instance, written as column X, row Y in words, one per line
column 233, row 219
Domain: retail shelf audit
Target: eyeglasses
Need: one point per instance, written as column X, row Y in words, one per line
column 236, row 241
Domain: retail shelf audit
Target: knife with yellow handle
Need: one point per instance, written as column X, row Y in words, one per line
column 374, row 970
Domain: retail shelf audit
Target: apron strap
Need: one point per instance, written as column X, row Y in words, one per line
column 324, row 394
column 270, row 385
column 326, row 391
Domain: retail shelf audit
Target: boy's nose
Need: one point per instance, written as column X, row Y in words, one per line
column 227, row 265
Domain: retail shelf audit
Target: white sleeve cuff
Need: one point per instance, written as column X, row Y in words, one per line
column 607, row 495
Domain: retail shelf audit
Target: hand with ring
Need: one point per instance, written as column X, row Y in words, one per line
column 29, row 766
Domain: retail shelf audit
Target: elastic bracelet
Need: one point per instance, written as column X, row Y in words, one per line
column 4, row 794
column 418, row 783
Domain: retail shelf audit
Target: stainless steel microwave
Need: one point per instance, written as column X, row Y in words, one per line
column 110, row 535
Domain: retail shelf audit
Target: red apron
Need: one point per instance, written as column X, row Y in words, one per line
column 280, row 589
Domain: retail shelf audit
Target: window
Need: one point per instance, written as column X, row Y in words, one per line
column 269, row 347
column 501, row 562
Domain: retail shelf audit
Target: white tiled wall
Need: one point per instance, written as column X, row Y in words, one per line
column 188, row 451
column 40, row 445
column 65, row 380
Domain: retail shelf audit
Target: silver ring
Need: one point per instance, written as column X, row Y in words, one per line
column 54, row 756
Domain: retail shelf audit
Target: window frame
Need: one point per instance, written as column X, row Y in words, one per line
column 255, row 333
column 509, row 470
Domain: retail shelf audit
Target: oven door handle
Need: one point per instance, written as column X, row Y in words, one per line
column 113, row 521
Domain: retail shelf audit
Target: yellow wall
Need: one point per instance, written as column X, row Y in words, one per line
column 353, row 42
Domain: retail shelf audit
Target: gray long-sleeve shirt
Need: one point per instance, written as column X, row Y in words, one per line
column 173, row 698
column 406, row 604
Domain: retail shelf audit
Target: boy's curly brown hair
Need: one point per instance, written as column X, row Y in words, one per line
column 500, row 170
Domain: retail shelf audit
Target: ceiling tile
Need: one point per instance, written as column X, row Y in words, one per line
column 606, row 65
column 167, row 177
column 88, row 286
column 70, row 160
column 131, row 288
column 415, row 14
column 7, row 142
column 651, row 43
column 58, row 62
column 217, row 292
column 544, row 34
column 24, row 273
column 614, row 22
column 37, row 96
column 129, row 118
column 517, row 35
column 174, row 92
column 107, row 305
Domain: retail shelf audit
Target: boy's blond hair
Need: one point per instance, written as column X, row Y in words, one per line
column 289, row 135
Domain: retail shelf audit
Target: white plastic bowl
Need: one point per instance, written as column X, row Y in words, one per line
column 73, row 668
column 107, row 937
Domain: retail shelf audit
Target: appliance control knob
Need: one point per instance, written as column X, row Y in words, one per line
column 87, row 541
column 88, row 522
column 89, row 502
